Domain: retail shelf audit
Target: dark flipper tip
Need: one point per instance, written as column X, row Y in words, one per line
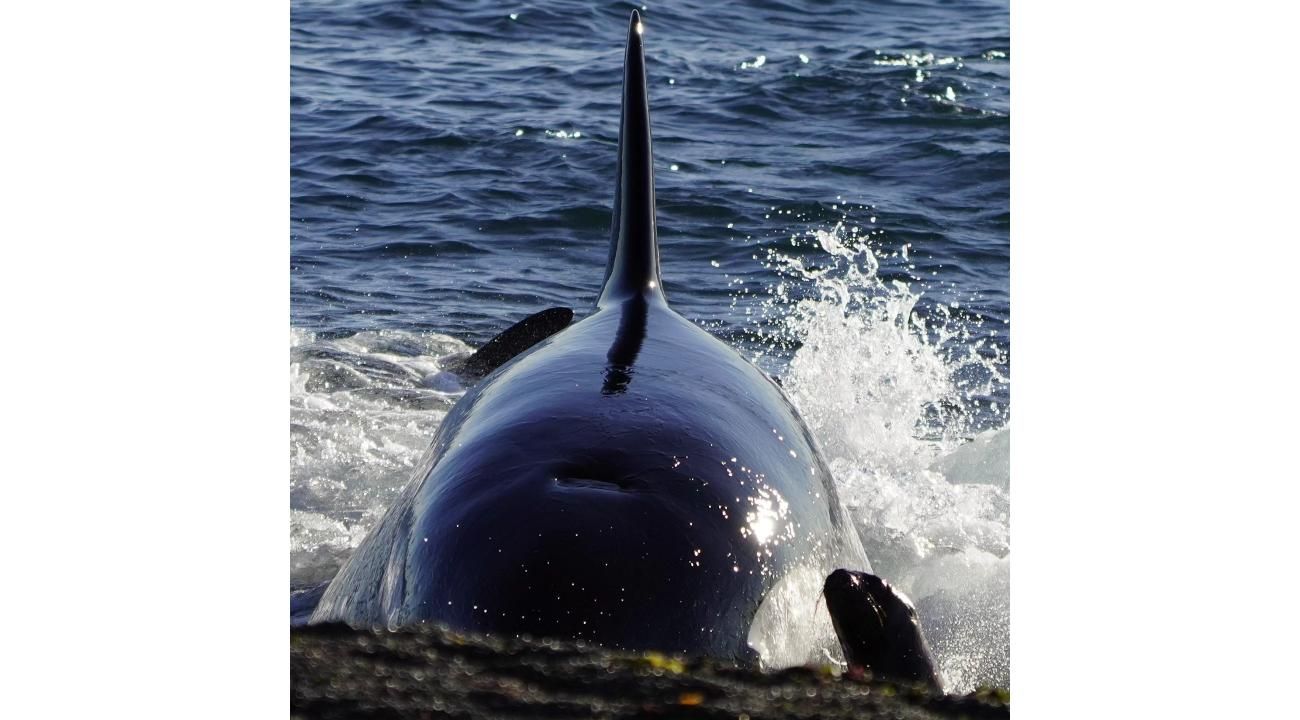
column 518, row 338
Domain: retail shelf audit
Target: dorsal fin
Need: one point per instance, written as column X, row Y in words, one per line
column 634, row 246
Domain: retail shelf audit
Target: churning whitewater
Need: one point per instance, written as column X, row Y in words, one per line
column 886, row 395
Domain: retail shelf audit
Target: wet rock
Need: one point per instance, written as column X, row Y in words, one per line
column 338, row 672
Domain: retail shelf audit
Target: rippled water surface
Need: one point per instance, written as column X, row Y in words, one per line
column 833, row 200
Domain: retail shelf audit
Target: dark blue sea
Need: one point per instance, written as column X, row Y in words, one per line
column 833, row 201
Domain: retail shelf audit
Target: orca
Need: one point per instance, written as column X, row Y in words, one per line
column 628, row 480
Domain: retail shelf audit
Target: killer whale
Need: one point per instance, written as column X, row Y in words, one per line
column 628, row 479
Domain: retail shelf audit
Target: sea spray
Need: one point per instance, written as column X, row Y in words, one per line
column 362, row 409
column 894, row 398
column 890, row 395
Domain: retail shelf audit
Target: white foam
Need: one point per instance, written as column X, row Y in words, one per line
column 879, row 390
column 361, row 411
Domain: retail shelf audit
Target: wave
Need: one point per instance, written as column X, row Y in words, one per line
column 896, row 401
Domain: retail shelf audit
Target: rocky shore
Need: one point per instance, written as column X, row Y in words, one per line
column 338, row 672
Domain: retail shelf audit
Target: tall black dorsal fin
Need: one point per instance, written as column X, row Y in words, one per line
column 634, row 247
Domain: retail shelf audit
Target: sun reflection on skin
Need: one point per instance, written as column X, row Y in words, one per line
column 765, row 523
column 762, row 523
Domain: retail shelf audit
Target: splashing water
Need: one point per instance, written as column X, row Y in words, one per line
column 890, row 397
column 892, row 400
column 361, row 411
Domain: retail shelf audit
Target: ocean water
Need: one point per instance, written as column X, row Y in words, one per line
column 833, row 201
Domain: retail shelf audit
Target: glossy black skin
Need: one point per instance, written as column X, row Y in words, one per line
column 608, row 484
column 568, row 496
column 514, row 341
column 878, row 628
